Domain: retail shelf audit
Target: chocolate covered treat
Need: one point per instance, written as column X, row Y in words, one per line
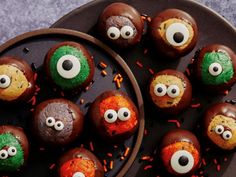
column 16, row 80
column 174, row 33
column 14, row 148
column 170, row 91
column 69, row 66
column 180, row 152
column 114, row 116
column 121, row 24
column 57, row 121
column 214, row 67
column 80, row 162
column 220, row 125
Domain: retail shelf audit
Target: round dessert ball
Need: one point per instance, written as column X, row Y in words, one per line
column 114, row 116
column 170, row 91
column 69, row 66
column 14, row 148
column 16, row 80
column 80, row 162
column 57, row 121
column 174, row 33
column 180, row 152
column 121, row 24
column 220, row 125
column 214, row 67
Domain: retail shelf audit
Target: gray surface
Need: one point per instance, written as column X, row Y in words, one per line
column 19, row 16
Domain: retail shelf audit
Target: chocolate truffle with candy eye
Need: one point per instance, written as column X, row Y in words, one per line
column 114, row 116
column 170, row 91
column 57, row 122
column 121, row 24
column 69, row 66
column 174, row 33
column 220, row 125
column 16, row 80
column 214, row 67
column 180, row 152
column 80, row 162
column 14, row 148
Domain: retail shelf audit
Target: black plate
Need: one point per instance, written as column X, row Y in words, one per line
column 213, row 29
column 37, row 44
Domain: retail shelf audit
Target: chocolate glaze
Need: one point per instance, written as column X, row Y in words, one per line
column 85, row 154
column 162, row 47
column 62, row 110
column 95, row 117
column 224, row 109
column 198, row 58
column 19, row 135
column 179, row 135
column 85, row 53
column 26, row 69
column 124, row 10
column 186, row 97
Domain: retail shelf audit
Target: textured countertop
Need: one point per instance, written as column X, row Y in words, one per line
column 17, row 17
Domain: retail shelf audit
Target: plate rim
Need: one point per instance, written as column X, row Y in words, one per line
column 117, row 58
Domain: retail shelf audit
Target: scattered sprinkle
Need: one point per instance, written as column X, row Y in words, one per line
column 218, row 167
column 126, row 152
column 215, row 161
column 111, row 164
column 81, row 101
column 91, row 146
column 197, row 105
column 147, row 167
column 105, row 168
column 104, row 73
column 122, row 158
column 174, row 121
column 103, row 65
column 151, row 71
column 104, row 162
column 109, row 154
column 139, row 64
column 52, row 166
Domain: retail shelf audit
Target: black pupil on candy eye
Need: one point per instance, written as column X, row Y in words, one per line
column 159, row 89
column 219, row 130
column 173, row 91
column 126, row 114
column 127, row 33
column 227, row 136
column 3, row 155
column 112, row 35
column 3, row 80
column 58, row 124
column 183, row 160
column 13, row 150
column 49, row 121
column 178, row 37
column 67, row 65
column 215, row 69
column 110, row 116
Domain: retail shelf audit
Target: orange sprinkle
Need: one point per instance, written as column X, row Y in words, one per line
column 109, row 154
column 104, row 162
column 195, row 105
column 121, row 79
column 52, row 166
column 176, row 122
column 143, row 17
column 139, row 64
column 103, row 65
column 149, row 19
column 145, row 158
column 118, row 84
column 147, row 167
column 111, row 164
column 81, row 101
column 87, row 88
column 126, row 152
column 203, row 162
column 91, row 146
column 218, row 167
column 104, row 73
column 105, row 168
column 151, row 71
column 115, row 78
column 122, row 158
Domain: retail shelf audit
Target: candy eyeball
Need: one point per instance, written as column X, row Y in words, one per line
column 160, row 90
column 59, row 126
column 173, row 91
column 219, row 129
column 5, row 81
column 3, row 154
column 50, row 121
column 127, row 32
column 124, row 114
column 113, row 33
column 227, row 135
column 78, row 174
column 12, row 151
column 110, row 116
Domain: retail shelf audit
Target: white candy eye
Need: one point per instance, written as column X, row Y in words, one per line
column 215, row 69
column 78, row 174
column 124, row 114
column 182, row 162
column 113, row 33
column 5, row 81
column 219, row 129
column 68, row 66
column 177, row 34
column 50, row 121
column 110, row 116
column 160, row 90
column 173, row 91
column 3, row 154
column 12, row 151
column 59, row 125
column 227, row 135
column 127, row 32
